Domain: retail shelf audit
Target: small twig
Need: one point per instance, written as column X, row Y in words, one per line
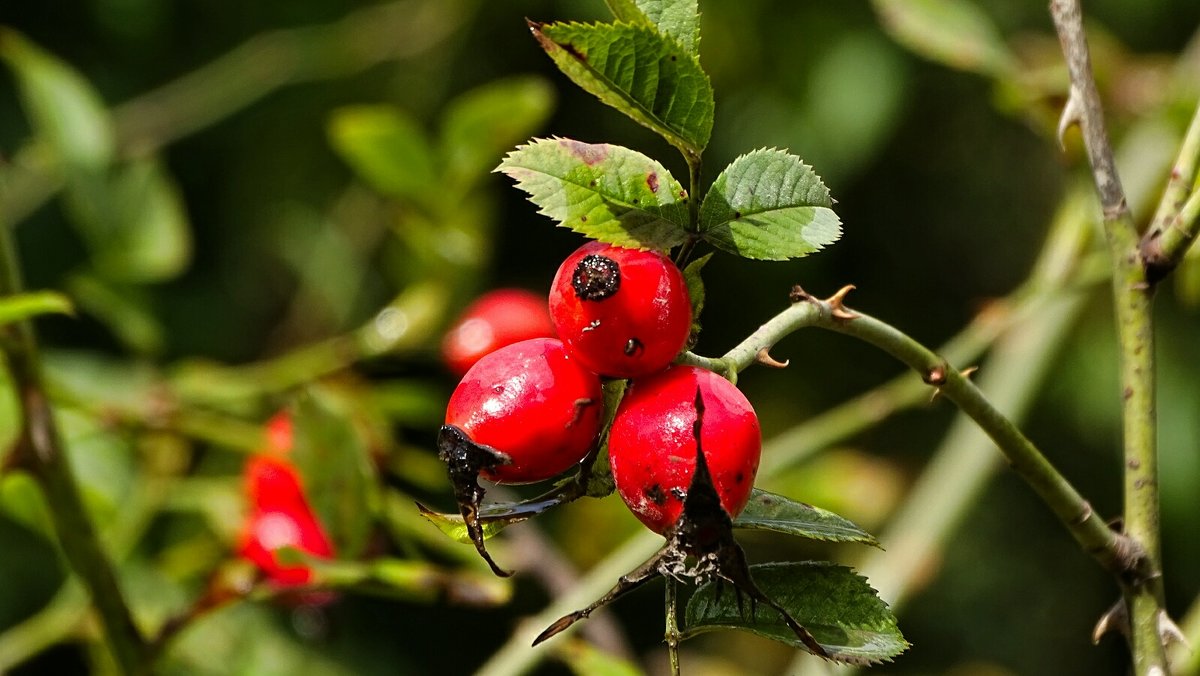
column 1175, row 223
column 672, row 630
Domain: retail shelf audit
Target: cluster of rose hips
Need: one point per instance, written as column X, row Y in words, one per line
column 531, row 410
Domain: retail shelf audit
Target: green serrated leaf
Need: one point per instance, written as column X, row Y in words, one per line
column 769, row 205
column 955, row 33
column 835, row 604
column 386, row 148
column 335, row 462
column 25, row 305
column 768, row 511
column 640, row 72
column 603, row 191
column 679, row 19
column 62, row 106
column 488, row 120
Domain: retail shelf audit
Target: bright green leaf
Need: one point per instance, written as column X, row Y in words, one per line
column 769, row 205
column 836, row 605
column 605, row 192
column 768, row 511
column 134, row 222
column 338, row 474
column 955, row 33
column 640, row 72
column 386, row 148
column 62, row 106
column 25, row 305
column 679, row 19
column 488, row 120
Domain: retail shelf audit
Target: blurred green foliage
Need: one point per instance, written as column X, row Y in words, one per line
column 281, row 205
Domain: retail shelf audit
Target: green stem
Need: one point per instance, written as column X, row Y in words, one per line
column 1114, row 552
column 41, row 451
column 1132, row 299
column 672, row 630
column 1175, row 224
column 966, row 458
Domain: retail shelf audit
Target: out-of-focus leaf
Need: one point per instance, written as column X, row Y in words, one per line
column 62, row 106
column 133, row 221
column 104, row 464
column 22, row 500
column 640, row 72
column 955, row 33
column 90, row 377
column 386, row 148
column 409, row 402
column 769, row 205
column 411, row 581
column 121, row 309
column 768, row 511
column 339, row 477
column 606, row 192
column 585, row 659
column 837, row 606
column 482, row 123
column 25, row 305
column 679, row 19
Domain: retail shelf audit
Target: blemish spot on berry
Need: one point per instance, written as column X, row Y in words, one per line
column 634, row 347
column 739, row 478
column 652, row 181
column 498, row 389
column 592, row 326
column 596, row 278
column 656, row 495
column 679, row 493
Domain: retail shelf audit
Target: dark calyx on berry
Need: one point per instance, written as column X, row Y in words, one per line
column 596, row 278
column 465, row 460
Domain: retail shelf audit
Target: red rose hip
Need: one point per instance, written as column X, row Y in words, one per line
column 495, row 319
column 526, row 412
column 652, row 446
column 622, row 313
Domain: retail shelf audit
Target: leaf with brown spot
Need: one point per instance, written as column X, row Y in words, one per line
column 601, row 191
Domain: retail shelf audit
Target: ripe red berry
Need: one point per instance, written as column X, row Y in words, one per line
column 495, row 319
column 280, row 514
column 652, row 446
column 523, row 413
column 532, row 402
column 622, row 313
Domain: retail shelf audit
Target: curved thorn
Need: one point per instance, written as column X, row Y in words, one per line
column 764, row 357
